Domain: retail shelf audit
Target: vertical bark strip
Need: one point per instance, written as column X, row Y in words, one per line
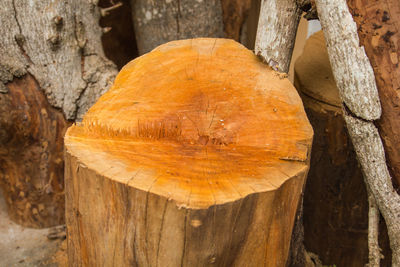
column 342, row 45
column 234, row 14
column 379, row 31
column 374, row 256
column 157, row 22
column 275, row 38
column 276, row 32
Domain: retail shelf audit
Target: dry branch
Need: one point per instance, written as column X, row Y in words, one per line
column 356, row 82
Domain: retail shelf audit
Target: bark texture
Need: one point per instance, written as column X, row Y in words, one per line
column 379, row 31
column 52, row 68
column 353, row 74
column 276, row 32
column 157, row 22
column 196, row 161
column 58, row 44
column 361, row 105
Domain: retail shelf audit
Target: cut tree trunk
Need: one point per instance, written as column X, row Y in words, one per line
column 196, row 156
column 335, row 199
column 52, row 68
column 380, row 36
column 158, row 22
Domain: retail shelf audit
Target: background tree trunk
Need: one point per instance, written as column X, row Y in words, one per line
column 235, row 13
column 379, row 31
column 157, row 22
column 52, row 68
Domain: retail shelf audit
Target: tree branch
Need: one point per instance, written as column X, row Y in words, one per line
column 276, row 32
column 356, row 82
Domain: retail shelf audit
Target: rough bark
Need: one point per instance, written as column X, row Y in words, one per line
column 207, row 174
column 353, row 75
column 58, row 43
column 157, row 22
column 378, row 28
column 276, row 32
column 52, row 68
column 335, row 202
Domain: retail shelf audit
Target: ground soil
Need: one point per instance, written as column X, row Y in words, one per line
column 21, row 246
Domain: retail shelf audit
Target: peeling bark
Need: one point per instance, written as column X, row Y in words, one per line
column 276, row 32
column 353, row 75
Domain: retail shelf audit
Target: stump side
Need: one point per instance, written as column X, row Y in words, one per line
column 112, row 224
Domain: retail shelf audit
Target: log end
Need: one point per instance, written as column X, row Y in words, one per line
column 200, row 122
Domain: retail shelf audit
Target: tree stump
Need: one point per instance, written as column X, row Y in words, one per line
column 196, row 156
column 335, row 201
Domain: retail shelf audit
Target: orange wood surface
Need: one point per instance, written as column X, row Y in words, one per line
column 199, row 121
